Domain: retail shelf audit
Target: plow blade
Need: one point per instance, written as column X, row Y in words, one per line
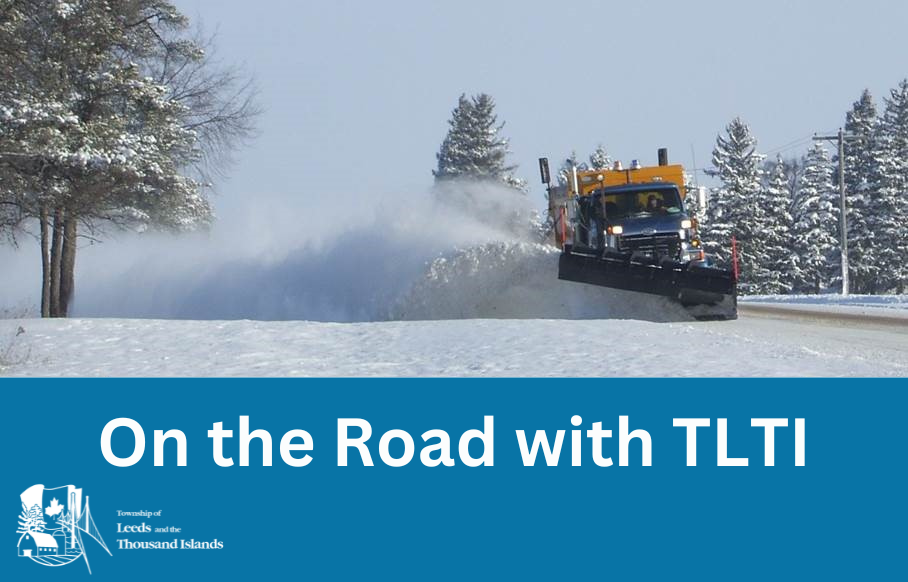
column 707, row 293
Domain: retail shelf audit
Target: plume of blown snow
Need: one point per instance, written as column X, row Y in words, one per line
column 463, row 250
column 519, row 281
column 355, row 266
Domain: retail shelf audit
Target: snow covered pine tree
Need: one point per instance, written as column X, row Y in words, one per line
column 599, row 159
column 779, row 262
column 862, row 122
column 888, row 221
column 734, row 209
column 472, row 161
column 815, row 223
column 567, row 167
column 474, row 148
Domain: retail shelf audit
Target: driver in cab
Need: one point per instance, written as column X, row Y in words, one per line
column 654, row 205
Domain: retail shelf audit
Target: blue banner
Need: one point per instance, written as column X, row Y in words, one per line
column 831, row 505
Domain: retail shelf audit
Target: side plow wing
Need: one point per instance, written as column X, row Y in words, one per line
column 707, row 293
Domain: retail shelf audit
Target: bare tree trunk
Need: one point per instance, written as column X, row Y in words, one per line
column 68, row 264
column 56, row 259
column 45, row 263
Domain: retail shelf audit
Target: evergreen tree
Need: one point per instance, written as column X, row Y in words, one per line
column 815, row 223
column 474, row 148
column 888, row 222
column 780, row 263
column 567, row 168
column 861, row 121
column 107, row 118
column 599, row 159
column 694, row 208
column 454, row 157
column 734, row 209
column 794, row 172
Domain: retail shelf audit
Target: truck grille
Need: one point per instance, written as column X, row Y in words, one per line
column 661, row 245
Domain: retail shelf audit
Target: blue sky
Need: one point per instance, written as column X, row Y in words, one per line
column 365, row 88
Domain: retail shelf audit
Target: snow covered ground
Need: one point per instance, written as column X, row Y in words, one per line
column 512, row 348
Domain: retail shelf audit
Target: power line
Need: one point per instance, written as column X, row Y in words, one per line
column 793, row 144
column 790, row 146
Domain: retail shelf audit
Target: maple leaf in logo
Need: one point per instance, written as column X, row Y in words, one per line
column 54, row 508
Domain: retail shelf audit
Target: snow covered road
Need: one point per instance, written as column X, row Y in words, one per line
column 771, row 346
column 862, row 316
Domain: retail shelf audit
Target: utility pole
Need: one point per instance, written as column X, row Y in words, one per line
column 840, row 140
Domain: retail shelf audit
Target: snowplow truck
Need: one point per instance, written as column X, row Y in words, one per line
column 629, row 228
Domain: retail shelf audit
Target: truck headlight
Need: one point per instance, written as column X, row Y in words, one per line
column 616, row 230
column 687, row 224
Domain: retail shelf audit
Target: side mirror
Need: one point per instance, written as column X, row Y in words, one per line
column 544, row 171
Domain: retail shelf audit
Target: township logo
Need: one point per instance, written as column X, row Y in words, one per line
column 54, row 526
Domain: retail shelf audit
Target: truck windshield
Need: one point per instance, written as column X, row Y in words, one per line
column 640, row 203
